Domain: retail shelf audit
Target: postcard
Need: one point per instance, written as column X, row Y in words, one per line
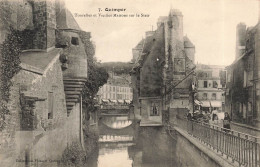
column 137, row 83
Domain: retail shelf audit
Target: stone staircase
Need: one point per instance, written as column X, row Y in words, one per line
column 73, row 88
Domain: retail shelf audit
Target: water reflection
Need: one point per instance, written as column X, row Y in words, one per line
column 122, row 145
column 115, row 138
column 111, row 155
column 116, row 122
column 129, row 155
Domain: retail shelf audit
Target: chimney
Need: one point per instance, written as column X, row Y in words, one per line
column 149, row 33
column 44, row 19
column 258, row 11
column 240, row 39
column 161, row 20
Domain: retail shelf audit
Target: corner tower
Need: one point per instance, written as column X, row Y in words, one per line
column 175, row 28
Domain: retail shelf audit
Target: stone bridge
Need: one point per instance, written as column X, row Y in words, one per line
column 116, row 128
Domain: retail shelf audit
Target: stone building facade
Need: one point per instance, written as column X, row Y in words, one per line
column 243, row 86
column 116, row 90
column 163, row 74
column 211, row 87
column 45, row 100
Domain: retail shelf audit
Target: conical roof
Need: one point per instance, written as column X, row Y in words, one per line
column 65, row 20
column 188, row 43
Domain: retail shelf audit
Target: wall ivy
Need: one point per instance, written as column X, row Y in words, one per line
column 10, row 65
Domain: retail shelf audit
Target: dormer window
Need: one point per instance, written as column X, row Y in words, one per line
column 74, row 40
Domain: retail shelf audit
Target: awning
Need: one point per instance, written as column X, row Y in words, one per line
column 114, row 101
column 104, row 100
column 120, row 101
column 212, row 103
column 197, row 102
column 216, row 103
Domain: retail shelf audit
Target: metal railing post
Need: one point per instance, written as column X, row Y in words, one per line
column 239, row 149
column 238, row 146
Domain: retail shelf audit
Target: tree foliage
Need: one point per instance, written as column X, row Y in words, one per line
column 15, row 42
column 73, row 155
column 118, row 67
column 97, row 76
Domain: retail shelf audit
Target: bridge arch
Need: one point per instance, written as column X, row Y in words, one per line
column 116, row 125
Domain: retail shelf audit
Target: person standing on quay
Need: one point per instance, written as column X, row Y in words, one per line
column 226, row 122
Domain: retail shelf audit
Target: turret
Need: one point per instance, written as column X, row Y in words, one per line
column 175, row 24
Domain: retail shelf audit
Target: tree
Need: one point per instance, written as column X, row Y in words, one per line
column 97, row 76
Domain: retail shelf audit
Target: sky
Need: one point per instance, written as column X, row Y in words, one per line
column 209, row 24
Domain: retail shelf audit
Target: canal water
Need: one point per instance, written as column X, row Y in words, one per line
column 122, row 143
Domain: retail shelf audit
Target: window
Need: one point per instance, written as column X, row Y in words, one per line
column 229, row 77
column 205, row 84
column 249, row 108
column 74, row 41
column 244, row 110
column 28, row 118
column 50, row 105
column 154, row 109
column 245, row 79
column 215, row 84
column 214, row 96
column 205, row 96
column 240, row 109
column 179, row 65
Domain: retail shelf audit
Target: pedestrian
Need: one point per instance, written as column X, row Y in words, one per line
column 226, row 122
column 189, row 116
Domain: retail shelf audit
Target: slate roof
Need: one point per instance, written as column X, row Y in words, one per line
column 39, row 59
column 250, row 29
column 188, row 43
column 148, row 44
column 65, row 20
column 140, row 44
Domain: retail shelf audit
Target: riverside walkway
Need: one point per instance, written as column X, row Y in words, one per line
column 238, row 148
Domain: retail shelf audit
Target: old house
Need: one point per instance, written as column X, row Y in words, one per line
column 243, row 86
column 162, row 76
column 116, row 90
column 210, row 87
column 45, row 100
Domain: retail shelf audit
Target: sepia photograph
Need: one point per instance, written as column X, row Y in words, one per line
column 129, row 83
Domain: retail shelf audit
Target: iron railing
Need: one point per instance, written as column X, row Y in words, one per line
column 240, row 147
